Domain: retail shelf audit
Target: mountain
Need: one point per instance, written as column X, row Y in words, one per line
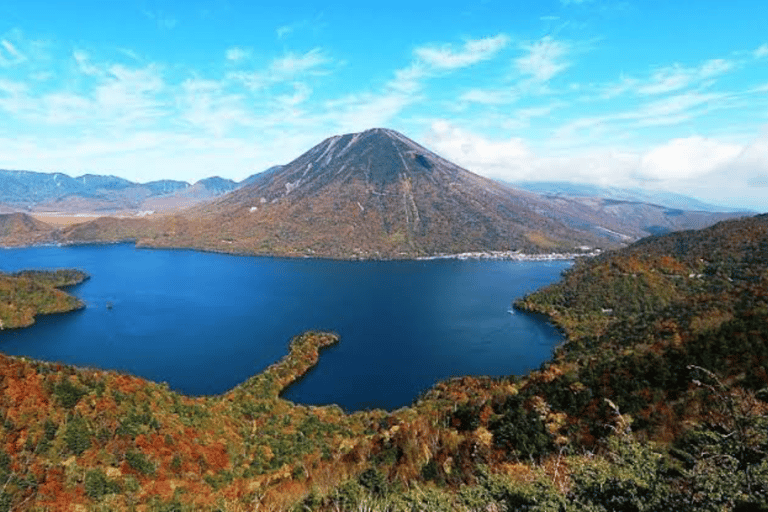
column 261, row 175
column 165, row 187
column 22, row 229
column 378, row 194
column 375, row 194
column 92, row 193
column 630, row 195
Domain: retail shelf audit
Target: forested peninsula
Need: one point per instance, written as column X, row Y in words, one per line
column 656, row 401
column 26, row 294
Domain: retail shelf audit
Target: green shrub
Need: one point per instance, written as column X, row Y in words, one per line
column 67, row 393
column 373, row 481
column 77, row 435
column 519, row 431
column 140, row 463
column 97, row 484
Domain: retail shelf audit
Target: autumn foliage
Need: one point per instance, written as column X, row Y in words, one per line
column 656, row 402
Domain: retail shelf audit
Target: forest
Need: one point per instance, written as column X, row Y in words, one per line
column 658, row 400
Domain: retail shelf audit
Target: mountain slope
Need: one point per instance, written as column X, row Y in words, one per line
column 22, row 229
column 376, row 194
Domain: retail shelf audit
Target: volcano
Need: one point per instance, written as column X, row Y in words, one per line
column 376, row 194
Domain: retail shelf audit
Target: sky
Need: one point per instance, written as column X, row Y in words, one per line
column 657, row 94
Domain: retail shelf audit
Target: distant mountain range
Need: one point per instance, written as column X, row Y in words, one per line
column 35, row 191
column 374, row 194
column 660, row 198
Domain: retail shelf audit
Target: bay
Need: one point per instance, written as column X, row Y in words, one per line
column 205, row 322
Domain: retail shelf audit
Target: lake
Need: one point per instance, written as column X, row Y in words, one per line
column 205, row 322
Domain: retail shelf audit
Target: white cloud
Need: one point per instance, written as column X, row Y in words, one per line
column 207, row 106
column 284, row 31
column 715, row 170
column 473, row 51
column 489, row 96
column 686, row 158
column 301, row 93
column 84, row 63
column 10, row 55
column 289, row 67
column 236, row 54
column 479, row 154
column 293, row 64
column 359, row 112
column 544, row 59
column 674, row 78
column 761, row 51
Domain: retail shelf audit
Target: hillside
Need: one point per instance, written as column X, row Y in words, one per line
column 18, row 229
column 658, row 401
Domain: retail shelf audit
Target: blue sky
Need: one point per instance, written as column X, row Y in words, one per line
column 655, row 94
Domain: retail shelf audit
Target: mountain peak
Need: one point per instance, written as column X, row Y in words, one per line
column 378, row 193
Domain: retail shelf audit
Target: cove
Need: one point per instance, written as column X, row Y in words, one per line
column 205, row 322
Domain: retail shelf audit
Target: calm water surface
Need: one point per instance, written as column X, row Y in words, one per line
column 206, row 322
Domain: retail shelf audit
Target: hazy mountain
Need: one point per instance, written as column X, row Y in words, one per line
column 217, row 185
column 165, row 187
column 261, row 175
column 660, row 198
column 35, row 191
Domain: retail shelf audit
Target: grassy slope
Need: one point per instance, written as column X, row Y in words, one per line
column 627, row 416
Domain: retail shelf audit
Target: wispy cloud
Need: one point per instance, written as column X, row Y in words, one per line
column 9, row 54
column 294, row 64
column 288, row 68
column 544, row 58
column 761, row 51
column 473, row 51
column 207, row 106
column 489, row 96
column 83, row 60
column 236, row 54
column 674, row 78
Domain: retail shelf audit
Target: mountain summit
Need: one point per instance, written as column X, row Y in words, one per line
column 378, row 194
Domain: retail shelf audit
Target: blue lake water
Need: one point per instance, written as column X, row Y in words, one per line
column 206, row 322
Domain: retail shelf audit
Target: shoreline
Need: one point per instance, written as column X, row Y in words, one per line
column 512, row 256
column 475, row 255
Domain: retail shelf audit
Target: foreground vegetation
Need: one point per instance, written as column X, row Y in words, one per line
column 657, row 401
column 24, row 295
